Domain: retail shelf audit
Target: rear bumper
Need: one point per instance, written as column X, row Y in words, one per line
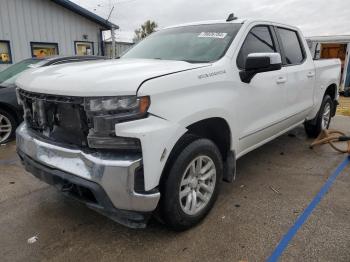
column 109, row 177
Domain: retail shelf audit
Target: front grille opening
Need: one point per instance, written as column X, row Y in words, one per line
column 79, row 192
column 56, row 118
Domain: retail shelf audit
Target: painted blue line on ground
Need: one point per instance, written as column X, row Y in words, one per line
column 307, row 212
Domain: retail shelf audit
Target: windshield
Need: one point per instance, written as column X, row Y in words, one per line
column 10, row 74
column 197, row 43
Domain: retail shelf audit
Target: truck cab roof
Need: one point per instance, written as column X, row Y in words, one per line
column 246, row 21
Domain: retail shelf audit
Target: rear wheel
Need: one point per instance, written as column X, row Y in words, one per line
column 191, row 186
column 323, row 119
column 8, row 126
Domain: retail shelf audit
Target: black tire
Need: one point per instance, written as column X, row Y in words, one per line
column 314, row 127
column 13, row 123
column 170, row 208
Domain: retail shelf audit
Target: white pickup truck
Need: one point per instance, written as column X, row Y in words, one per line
column 156, row 131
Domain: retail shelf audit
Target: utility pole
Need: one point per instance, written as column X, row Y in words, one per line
column 113, row 41
column 112, row 34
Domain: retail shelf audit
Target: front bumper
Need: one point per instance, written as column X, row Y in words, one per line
column 112, row 173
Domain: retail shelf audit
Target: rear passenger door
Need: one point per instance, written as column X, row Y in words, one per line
column 301, row 74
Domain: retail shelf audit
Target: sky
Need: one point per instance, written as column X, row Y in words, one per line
column 314, row 17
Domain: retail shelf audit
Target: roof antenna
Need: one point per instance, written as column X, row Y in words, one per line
column 231, row 17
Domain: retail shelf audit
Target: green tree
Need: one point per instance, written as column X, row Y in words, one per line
column 146, row 29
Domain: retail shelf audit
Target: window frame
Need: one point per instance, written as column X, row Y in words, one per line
column 42, row 43
column 90, row 42
column 273, row 38
column 283, row 54
column 10, row 53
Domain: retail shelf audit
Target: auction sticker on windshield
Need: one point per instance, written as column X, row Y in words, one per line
column 212, row 35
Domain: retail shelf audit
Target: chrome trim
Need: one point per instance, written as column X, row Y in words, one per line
column 113, row 172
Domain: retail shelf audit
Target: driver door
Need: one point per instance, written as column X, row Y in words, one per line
column 262, row 106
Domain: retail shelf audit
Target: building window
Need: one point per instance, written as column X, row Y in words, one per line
column 5, row 52
column 84, row 48
column 41, row 50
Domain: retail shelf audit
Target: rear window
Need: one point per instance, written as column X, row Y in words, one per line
column 291, row 45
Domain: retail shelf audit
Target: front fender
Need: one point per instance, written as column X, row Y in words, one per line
column 158, row 137
column 179, row 100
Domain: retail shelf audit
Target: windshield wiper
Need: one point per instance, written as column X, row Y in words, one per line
column 183, row 60
column 195, row 61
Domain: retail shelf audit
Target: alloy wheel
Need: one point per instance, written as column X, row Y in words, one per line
column 5, row 128
column 326, row 116
column 197, row 185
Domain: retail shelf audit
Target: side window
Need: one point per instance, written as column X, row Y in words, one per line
column 258, row 40
column 291, row 45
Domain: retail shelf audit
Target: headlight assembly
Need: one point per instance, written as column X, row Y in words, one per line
column 122, row 104
column 105, row 112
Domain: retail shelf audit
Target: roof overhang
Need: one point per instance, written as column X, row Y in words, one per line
column 85, row 13
column 330, row 39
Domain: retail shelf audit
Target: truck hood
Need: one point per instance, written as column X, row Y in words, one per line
column 99, row 78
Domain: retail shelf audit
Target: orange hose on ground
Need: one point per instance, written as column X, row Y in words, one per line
column 331, row 137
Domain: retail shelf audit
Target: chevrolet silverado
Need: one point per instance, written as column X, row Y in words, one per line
column 156, row 131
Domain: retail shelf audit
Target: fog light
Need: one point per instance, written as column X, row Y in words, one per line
column 122, row 143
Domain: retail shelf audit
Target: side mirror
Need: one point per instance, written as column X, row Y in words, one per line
column 259, row 63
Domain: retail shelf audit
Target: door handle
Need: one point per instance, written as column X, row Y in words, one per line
column 310, row 74
column 281, row 80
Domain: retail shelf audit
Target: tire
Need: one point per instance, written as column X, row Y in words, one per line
column 180, row 213
column 8, row 125
column 314, row 127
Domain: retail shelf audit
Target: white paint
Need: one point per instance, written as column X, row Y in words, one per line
column 112, row 77
column 275, row 58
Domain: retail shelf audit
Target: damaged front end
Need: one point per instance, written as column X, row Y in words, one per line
column 70, row 142
column 83, row 122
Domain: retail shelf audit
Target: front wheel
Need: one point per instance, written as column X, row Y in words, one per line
column 323, row 119
column 192, row 184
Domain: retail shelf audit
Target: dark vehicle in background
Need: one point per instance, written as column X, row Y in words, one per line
column 10, row 112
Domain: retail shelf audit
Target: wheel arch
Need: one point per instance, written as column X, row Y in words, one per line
column 215, row 129
column 332, row 90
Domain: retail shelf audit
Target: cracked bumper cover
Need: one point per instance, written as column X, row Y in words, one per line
column 112, row 173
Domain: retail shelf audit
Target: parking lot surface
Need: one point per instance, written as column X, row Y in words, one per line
column 274, row 185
